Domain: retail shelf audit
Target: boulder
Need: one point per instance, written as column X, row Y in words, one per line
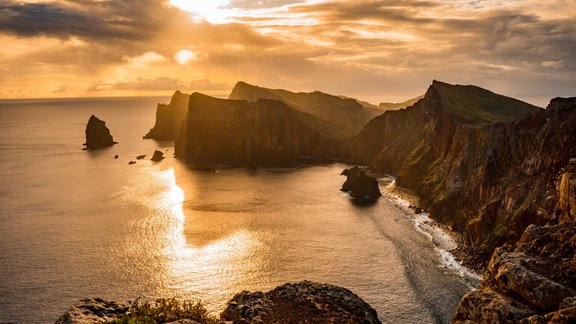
column 158, row 156
column 361, row 187
column 97, row 134
column 296, row 302
column 93, row 310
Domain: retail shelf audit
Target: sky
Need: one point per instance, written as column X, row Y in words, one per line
column 378, row 51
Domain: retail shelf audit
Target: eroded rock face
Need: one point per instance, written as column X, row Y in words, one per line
column 169, row 118
column 93, row 310
column 298, row 302
column 97, row 134
column 533, row 283
column 486, row 174
column 362, row 187
column 242, row 133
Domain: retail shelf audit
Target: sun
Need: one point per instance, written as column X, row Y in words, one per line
column 213, row 11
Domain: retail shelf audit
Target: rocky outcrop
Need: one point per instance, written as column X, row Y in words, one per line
column 484, row 164
column 533, row 283
column 157, row 156
column 345, row 112
column 97, row 134
column 169, row 118
column 361, row 187
column 242, row 133
column 303, row 302
column 93, row 310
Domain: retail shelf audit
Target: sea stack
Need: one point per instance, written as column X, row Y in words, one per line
column 97, row 134
column 158, row 156
column 362, row 187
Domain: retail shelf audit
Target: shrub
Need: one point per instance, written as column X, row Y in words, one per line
column 166, row 310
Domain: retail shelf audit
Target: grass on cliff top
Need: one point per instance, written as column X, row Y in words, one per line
column 481, row 107
column 166, row 310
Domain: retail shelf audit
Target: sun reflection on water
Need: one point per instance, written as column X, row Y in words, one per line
column 220, row 265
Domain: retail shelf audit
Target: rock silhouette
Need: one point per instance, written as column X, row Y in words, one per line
column 362, row 187
column 158, row 156
column 169, row 118
column 242, row 133
column 97, row 134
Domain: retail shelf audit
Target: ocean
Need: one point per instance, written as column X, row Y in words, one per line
column 77, row 224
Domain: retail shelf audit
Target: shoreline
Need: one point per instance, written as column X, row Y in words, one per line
column 449, row 245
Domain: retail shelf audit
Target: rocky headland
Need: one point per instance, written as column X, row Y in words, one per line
column 301, row 302
column 481, row 163
column 169, row 117
column 262, row 133
column 97, row 134
column 347, row 113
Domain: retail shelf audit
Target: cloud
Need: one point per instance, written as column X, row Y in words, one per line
column 146, row 59
column 100, row 20
column 157, row 84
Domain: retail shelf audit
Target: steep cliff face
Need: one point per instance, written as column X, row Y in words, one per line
column 487, row 181
column 345, row 112
column 265, row 132
column 169, row 118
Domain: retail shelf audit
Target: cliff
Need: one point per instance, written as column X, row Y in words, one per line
column 97, row 134
column 535, row 282
column 477, row 162
column 345, row 112
column 169, row 118
column 266, row 132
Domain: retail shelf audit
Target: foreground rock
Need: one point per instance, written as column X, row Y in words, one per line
column 94, row 310
column 533, row 283
column 303, row 302
column 362, row 187
column 97, row 134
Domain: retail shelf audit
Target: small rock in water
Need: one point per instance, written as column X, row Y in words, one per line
column 158, row 156
column 116, row 156
column 132, row 162
column 140, row 157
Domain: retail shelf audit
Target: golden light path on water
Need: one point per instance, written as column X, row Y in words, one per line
column 210, row 269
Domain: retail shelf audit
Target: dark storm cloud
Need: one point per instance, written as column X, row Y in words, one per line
column 111, row 19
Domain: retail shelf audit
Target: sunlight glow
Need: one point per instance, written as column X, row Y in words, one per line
column 213, row 11
column 183, row 57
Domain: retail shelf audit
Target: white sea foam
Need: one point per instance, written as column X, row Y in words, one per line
column 442, row 240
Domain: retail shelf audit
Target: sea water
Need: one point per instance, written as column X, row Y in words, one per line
column 77, row 224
